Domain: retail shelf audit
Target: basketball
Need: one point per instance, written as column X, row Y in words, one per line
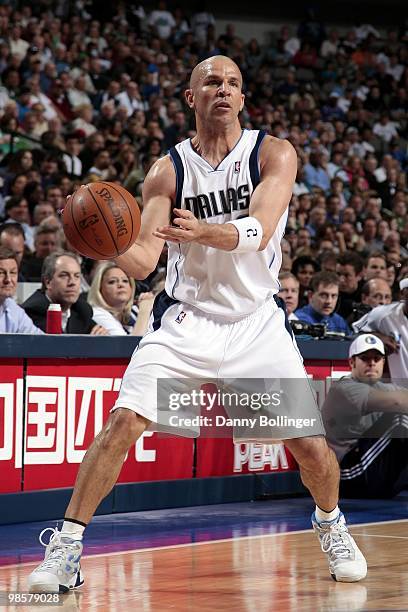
column 101, row 220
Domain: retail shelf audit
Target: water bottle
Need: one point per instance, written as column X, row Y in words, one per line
column 54, row 319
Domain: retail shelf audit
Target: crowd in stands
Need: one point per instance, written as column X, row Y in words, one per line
column 96, row 93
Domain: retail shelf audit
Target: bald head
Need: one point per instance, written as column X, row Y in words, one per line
column 376, row 292
column 217, row 62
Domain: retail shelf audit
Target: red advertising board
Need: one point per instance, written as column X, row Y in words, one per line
column 66, row 404
column 11, row 424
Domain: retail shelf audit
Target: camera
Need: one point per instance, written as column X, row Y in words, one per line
column 315, row 330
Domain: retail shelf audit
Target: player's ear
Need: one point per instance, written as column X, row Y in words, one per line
column 189, row 97
column 242, row 102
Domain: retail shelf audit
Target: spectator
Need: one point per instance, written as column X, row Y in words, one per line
column 304, row 267
column 386, row 129
column 41, row 212
column 375, row 265
column 70, row 158
column 111, row 296
column 289, row 292
column 161, row 20
column 323, row 296
column 102, row 170
column 315, row 173
column 390, row 323
column 54, row 195
column 61, row 280
column 349, row 270
column 328, row 261
column 46, row 241
column 376, row 292
column 365, row 427
column 12, row 237
column 13, row 319
column 16, row 210
column 131, row 99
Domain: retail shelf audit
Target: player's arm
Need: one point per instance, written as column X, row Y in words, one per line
column 159, row 190
column 278, row 166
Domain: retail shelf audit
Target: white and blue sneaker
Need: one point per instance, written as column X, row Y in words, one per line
column 61, row 570
column 346, row 561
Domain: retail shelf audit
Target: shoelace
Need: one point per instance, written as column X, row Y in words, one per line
column 57, row 552
column 337, row 541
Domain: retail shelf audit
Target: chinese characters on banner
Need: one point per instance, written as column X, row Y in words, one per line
column 67, row 402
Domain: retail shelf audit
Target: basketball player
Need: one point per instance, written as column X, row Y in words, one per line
column 226, row 192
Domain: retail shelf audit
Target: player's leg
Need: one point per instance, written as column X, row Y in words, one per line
column 103, row 461
column 98, row 473
column 251, row 354
column 319, row 471
column 175, row 350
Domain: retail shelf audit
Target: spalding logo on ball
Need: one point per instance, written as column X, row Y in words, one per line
column 101, row 220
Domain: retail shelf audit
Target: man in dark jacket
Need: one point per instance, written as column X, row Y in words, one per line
column 61, row 279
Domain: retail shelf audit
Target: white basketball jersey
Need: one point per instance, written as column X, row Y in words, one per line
column 219, row 282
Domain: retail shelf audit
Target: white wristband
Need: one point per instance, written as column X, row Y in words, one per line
column 250, row 234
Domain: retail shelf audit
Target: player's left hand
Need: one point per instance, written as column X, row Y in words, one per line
column 186, row 228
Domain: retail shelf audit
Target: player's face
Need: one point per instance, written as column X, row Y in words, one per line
column 216, row 94
column 8, row 278
column 367, row 366
column 116, row 289
column 290, row 294
column 324, row 300
column 65, row 286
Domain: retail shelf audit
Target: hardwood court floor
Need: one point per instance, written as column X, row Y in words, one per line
column 282, row 572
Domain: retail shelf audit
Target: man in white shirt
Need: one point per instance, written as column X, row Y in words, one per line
column 71, row 160
column 13, row 319
column 162, row 21
column 18, row 46
column 386, row 129
column 390, row 322
column 130, row 98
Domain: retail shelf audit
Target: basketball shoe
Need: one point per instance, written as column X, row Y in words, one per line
column 346, row 561
column 61, row 570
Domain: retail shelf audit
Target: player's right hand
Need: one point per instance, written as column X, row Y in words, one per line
column 391, row 345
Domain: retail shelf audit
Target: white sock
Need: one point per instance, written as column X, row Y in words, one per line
column 321, row 515
column 72, row 530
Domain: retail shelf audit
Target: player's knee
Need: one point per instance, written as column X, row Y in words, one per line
column 311, row 453
column 123, row 428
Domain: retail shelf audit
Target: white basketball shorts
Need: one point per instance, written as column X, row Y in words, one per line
column 186, row 343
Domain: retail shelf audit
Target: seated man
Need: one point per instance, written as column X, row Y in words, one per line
column 289, row 293
column 367, row 425
column 374, row 292
column 61, row 279
column 13, row 319
column 12, row 237
column 46, row 241
column 323, row 295
column 390, row 323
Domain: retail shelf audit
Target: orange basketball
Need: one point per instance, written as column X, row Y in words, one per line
column 101, row 220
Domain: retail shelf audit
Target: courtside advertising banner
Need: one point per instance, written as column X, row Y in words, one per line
column 51, row 411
